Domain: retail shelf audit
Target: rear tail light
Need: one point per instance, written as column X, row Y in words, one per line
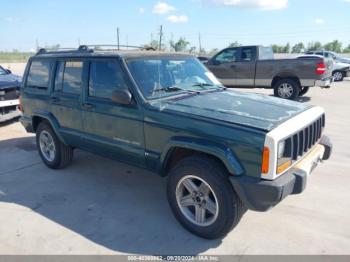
column 321, row 68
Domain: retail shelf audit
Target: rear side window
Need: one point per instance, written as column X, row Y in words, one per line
column 105, row 77
column 72, row 77
column 265, row 53
column 247, row 54
column 39, row 74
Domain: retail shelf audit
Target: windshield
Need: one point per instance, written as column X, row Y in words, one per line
column 162, row 77
column 3, row 71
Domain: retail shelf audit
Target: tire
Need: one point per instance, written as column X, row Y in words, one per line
column 287, row 88
column 304, row 90
column 52, row 151
column 207, row 172
column 338, row 76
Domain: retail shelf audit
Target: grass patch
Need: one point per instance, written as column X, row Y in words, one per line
column 14, row 57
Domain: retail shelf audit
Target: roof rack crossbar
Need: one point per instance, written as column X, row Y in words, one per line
column 60, row 50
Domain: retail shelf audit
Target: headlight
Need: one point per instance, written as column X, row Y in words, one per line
column 280, row 151
column 284, row 155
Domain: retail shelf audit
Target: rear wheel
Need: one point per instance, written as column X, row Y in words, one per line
column 202, row 197
column 52, row 151
column 287, row 88
column 338, row 76
column 304, row 90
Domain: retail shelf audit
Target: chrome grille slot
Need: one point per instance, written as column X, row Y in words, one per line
column 306, row 138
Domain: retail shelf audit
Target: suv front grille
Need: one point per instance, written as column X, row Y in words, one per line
column 306, row 138
column 9, row 94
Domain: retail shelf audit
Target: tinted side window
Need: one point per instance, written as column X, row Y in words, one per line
column 72, row 77
column 105, row 77
column 227, row 56
column 39, row 74
column 247, row 54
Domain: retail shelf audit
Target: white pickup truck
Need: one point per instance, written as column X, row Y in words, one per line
column 9, row 95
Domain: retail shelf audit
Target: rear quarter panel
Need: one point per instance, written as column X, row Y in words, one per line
column 303, row 69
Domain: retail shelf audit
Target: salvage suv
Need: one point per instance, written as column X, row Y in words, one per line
column 223, row 151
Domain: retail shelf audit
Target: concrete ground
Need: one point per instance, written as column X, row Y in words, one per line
column 99, row 206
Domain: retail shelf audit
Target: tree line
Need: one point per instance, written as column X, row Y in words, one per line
column 182, row 45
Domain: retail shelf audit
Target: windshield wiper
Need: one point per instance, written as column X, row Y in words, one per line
column 202, row 84
column 169, row 89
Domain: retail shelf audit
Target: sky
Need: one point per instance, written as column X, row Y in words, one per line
column 23, row 23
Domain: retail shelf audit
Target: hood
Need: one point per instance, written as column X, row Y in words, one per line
column 10, row 80
column 252, row 110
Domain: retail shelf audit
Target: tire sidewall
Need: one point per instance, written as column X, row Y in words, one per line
column 57, row 159
column 227, row 206
column 342, row 76
column 295, row 85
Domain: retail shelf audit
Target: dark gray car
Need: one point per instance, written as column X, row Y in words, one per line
column 255, row 66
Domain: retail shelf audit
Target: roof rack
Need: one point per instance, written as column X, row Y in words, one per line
column 62, row 50
column 91, row 49
column 114, row 47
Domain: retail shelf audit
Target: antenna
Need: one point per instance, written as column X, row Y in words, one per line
column 160, row 37
column 118, row 37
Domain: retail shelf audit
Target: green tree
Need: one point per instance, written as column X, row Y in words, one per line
column 298, row 48
column 346, row 50
column 180, row 45
column 314, row 46
column 193, row 50
column 277, row 49
column 152, row 45
column 286, row 49
column 234, row 44
column 334, row 46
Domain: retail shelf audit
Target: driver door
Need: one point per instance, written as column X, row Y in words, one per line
column 111, row 129
column 223, row 66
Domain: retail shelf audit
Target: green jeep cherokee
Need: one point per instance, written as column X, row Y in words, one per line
column 223, row 151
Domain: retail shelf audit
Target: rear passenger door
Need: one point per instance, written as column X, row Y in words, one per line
column 245, row 67
column 112, row 129
column 66, row 98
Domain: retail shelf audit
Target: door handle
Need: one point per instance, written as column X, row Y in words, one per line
column 233, row 66
column 88, row 106
column 55, row 100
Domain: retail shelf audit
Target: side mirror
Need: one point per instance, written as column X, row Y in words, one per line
column 123, row 97
column 9, row 71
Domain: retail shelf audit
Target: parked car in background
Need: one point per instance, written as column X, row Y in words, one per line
column 9, row 94
column 340, row 69
column 336, row 57
column 223, row 151
column 255, row 66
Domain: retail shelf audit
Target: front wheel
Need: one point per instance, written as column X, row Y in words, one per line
column 338, row 76
column 202, row 197
column 287, row 89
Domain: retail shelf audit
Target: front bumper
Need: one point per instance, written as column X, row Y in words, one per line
column 261, row 195
column 326, row 82
column 9, row 110
column 347, row 74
